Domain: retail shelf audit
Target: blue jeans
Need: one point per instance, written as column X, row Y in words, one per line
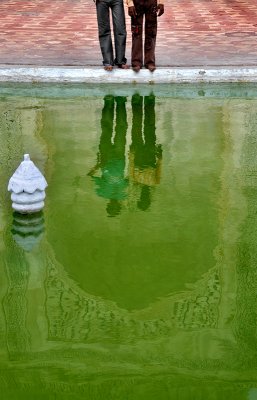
column 103, row 8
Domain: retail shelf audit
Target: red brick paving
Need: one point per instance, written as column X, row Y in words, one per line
column 191, row 32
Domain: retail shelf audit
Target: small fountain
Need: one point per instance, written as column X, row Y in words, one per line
column 27, row 187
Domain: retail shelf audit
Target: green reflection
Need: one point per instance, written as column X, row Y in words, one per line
column 157, row 302
column 28, row 230
column 145, row 155
column 136, row 259
column 112, row 184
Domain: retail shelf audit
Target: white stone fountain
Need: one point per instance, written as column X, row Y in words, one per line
column 27, row 187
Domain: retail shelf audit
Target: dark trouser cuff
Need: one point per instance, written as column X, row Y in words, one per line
column 124, row 61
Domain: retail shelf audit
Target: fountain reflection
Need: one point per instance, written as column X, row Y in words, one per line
column 27, row 230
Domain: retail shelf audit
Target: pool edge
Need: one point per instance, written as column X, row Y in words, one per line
column 37, row 74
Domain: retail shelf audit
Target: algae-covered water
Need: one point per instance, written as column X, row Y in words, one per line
column 139, row 278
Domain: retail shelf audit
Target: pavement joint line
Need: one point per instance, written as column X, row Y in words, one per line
column 97, row 75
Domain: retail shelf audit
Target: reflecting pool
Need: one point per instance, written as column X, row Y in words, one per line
column 138, row 280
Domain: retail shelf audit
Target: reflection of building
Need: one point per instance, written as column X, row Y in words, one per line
column 65, row 340
column 93, row 318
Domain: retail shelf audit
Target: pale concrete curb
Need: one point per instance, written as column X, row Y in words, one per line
column 98, row 75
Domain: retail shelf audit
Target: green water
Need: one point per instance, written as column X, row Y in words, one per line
column 139, row 278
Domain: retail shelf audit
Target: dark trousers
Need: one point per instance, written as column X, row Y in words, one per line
column 145, row 9
column 113, row 148
column 103, row 8
column 143, row 134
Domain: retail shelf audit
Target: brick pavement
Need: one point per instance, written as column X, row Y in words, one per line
column 191, row 33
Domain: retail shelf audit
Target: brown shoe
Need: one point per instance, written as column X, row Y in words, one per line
column 151, row 67
column 108, row 67
column 136, row 68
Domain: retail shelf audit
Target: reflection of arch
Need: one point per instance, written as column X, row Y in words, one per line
column 150, row 340
column 185, row 310
column 74, row 315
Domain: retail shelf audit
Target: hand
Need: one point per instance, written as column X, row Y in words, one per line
column 160, row 9
column 132, row 11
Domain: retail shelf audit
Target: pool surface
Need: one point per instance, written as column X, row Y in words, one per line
column 138, row 280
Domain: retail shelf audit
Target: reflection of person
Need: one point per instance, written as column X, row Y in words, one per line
column 137, row 10
column 145, row 154
column 112, row 184
column 103, row 8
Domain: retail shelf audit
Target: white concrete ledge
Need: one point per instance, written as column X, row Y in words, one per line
column 99, row 75
column 198, row 90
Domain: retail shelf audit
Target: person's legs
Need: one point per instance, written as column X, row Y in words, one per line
column 104, row 31
column 150, row 131
column 137, row 39
column 120, row 34
column 105, row 146
column 137, row 143
column 150, row 34
column 121, row 127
